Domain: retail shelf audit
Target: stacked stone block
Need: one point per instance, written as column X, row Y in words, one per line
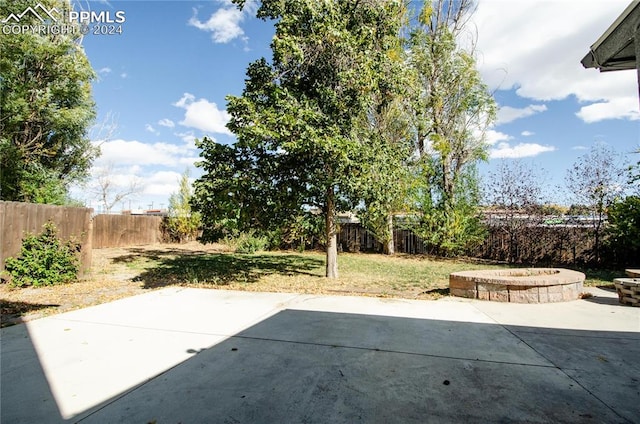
column 519, row 285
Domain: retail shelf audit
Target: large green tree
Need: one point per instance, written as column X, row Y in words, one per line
column 386, row 169
column 46, row 108
column 453, row 109
column 297, row 122
column 386, row 164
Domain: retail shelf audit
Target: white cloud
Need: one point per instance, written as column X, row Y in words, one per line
column 521, row 150
column 619, row 108
column 149, row 128
column 203, row 115
column 527, row 133
column 189, row 161
column 162, row 183
column 166, row 123
column 508, row 114
column 134, row 169
column 104, row 70
column 579, row 148
column 535, row 47
column 224, row 23
column 132, row 152
column 189, row 138
column 492, row 137
column 123, row 75
column 185, row 100
column 117, row 176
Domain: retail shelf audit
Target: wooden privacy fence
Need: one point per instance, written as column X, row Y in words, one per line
column 569, row 245
column 544, row 245
column 126, row 230
column 533, row 244
column 353, row 237
column 17, row 219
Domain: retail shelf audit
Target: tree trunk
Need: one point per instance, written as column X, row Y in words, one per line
column 332, row 236
column 596, row 246
column 447, row 184
column 389, row 247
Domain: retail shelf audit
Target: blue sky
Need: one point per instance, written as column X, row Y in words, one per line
column 164, row 80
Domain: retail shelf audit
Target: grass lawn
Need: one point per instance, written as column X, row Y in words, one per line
column 369, row 274
column 407, row 276
column 122, row 272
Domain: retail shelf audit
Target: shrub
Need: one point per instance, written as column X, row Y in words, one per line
column 44, row 260
column 303, row 231
column 623, row 242
column 183, row 223
column 251, row 243
column 247, row 242
column 180, row 229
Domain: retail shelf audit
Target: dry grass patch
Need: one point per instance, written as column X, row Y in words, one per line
column 123, row 272
column 18, row 304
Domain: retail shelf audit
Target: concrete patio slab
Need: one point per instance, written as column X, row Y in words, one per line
column 195, row 355
column 263, row 381
column 602, row 312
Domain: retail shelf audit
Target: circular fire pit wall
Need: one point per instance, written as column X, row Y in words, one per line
column 518, row 285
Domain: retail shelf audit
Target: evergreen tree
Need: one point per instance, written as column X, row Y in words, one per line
column 45, row 108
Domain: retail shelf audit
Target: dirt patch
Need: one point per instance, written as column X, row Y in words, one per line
column 122, row 272
column 111, row 278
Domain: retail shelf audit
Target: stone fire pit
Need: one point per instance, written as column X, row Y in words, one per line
column 628, row 290
column 518, row 285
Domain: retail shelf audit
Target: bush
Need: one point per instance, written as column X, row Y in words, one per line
column 183, row 223
column 247, row 242
column 623, row 242
column 180, row 229
column 303, row 231
column 44, row 260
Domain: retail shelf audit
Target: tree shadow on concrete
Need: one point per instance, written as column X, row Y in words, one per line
column 25, row 393
column 308, row 366
column 312, row 366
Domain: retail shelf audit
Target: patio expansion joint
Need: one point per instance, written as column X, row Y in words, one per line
column 139, row 327
column 554, row 365
column 88, row 415
column 281, row 306
column 400, row 352
column 626, row 337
